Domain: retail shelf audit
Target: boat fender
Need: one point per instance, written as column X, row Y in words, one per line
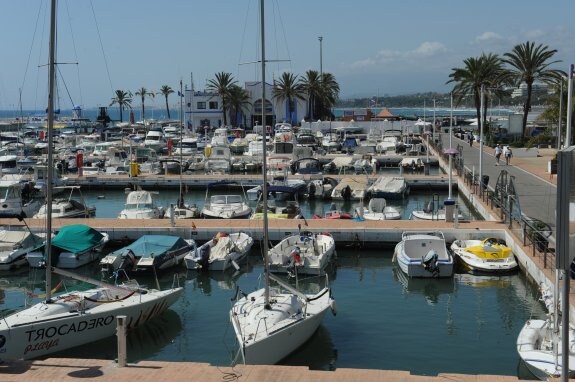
column 333, row 306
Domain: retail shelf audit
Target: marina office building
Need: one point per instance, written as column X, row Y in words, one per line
column 204, row 108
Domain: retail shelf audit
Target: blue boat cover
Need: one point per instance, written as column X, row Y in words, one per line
column 153, row 245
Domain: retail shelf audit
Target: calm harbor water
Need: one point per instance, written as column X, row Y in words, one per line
column 467, row 324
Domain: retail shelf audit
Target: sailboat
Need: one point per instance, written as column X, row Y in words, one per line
column 74, row 318
column 270, row 323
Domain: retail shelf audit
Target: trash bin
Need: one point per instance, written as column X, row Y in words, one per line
column 484, row 182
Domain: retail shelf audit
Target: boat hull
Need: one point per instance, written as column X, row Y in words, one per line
column 534, row 348
column 315, row 253
column 494, row 260
column 275, row 342
column 31, row 334
column 409, row 254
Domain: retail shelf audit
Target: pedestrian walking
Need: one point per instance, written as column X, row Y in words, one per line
column 498, row 151
column 508, row 155
column 470, row 140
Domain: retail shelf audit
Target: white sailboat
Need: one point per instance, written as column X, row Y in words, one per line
column 271, row 323
column 74, row 318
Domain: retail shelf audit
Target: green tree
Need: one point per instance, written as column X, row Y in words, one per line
column 329, row 95
column 484, row 71
column 122, row 99
column 312, row 88
column 165, row 90
column 221, row 85
column 142, row 93
column 530, row 63
column 239, row 102
column 288, row 87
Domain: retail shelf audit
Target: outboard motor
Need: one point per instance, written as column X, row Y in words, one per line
column 128, row 261
column 205, row 257
column 429, row 262
column 428, row 207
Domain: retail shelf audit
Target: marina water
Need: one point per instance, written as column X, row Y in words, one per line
column 467, row 324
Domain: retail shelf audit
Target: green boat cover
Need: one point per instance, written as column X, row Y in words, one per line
column 153, row 245
column 75, row 238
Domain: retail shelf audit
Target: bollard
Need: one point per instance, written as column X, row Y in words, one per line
column 121, row 333
column 172, row 218
column 449, row 206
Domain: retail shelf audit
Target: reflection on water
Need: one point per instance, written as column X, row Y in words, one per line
column 384, row 320
column 430, row 288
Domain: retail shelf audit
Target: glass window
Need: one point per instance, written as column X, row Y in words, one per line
column 201, row 105
column 213, row 105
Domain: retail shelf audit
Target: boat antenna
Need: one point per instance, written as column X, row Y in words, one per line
column 50, row 173
column 264, row 164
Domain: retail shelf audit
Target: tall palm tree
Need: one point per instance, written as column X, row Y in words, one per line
column 122, row 99
column 484, row 71
column 311, row 85
column 238, row 103
column 288, row 88
column 165, row 90
column 142, row 93
column 221, row 84
column 329, row 95
column 530, row 63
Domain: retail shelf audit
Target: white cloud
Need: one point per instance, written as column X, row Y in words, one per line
column 426, row 49
column 488, row 36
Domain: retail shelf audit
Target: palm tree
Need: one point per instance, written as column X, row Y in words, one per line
column 329, row 95
column 221, row 85
column 484, row 71
column 123, row 99
column 238, row 101
column 165, row 90
column 312, row 88
column 288, row 88
column 143, row 92
column 322, row 92
column 530, row 63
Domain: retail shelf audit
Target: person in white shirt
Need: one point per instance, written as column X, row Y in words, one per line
column 497, row 154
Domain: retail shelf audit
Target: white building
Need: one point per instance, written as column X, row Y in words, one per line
column 204, row 108
column 521, row 91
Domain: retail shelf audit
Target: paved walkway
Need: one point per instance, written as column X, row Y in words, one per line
column 535, row 187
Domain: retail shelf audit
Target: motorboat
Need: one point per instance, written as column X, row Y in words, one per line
column 45, row 327
column 218, row 159
column 488, row 255
column 225, row 206
column 14, row 246
column 430, row 212
column 377, row 209
column 181, row 210
column 423, row 254
column 73, row 246
column 321, row 188
column 306, row 166
column 148, row 253
column 18, row 198
column 413, row 164
column 140, row 204
column 350, row 188
column 224, row 251
column 305, row 253
column 367, row 164
column 388, row 187
column 282, row 202
column 333, row 214
column 272, row 322
column 68, row 207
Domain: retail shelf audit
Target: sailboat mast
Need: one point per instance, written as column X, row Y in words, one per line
column 181, row 199
column 50, row 174
column 264, row 162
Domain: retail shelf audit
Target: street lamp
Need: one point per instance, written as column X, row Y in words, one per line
column 320, row 38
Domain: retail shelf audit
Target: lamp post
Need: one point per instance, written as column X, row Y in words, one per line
column 320, row 38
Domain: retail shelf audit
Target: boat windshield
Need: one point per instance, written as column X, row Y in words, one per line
column 8, row 193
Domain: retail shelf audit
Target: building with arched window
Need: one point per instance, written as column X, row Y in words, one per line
column 204, row 109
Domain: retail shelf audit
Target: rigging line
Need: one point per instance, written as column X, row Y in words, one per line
column 243, row 38
column 31, row 47
column 285, row 36
column 101, row 46
column 65, row 86
column 75, row 56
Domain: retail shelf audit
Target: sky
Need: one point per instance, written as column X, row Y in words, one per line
column 372, row 47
